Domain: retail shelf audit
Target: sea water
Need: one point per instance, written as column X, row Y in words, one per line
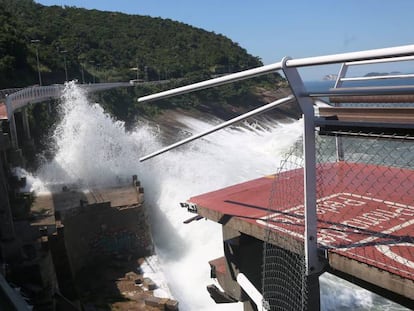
column 93, row 149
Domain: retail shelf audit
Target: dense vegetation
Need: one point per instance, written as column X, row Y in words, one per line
column 94, row 46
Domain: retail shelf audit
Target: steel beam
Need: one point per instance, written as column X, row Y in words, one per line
column 313, row 264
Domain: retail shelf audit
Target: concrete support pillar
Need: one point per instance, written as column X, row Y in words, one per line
column 62, row 264
column 26, row 127
column 314, row 299
column 7, row 231
column 13, row 132
column 16, row 158
column 16, row 154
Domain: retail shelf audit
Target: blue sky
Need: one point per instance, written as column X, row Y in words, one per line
column 273, row 29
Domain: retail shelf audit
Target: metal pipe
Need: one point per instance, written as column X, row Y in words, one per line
column 405, row 50
column 310, row 61
column 220, row 126
column 250, row 73
column 402, row 76
column 340, row 156
column 250, row 290
column 313, row 263
column 382, row 60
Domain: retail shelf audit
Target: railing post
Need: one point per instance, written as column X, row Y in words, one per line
column 12, row 123
column 26, row 127
column 338, row 83
column 13, row 132
column 313, row 264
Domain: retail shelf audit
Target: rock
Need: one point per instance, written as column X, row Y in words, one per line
column 155, row 301
column 218, row 295
column 150, row 284
column 132, row 276
column 171, row 305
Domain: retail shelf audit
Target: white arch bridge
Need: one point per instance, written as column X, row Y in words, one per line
column 13, row 100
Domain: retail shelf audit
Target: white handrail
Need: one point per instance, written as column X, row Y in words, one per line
column 242, row 75
column 381, row 77
column 406, row 50
column 221, row 126
column 251, row 291
column 382, row 60
column 34, row 94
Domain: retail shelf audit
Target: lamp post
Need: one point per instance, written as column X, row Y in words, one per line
column 93, row 67
column 97, row 67
column 137, row 69
column 64, row 59
column 83, row 74
column 37, row 60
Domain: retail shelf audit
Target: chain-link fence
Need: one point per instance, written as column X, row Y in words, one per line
column 284, row 267
column 366, row 202
column 365, row 208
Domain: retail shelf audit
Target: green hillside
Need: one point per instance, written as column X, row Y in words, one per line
column 101, row 46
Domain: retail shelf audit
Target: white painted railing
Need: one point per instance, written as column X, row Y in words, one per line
column 289, row 66
column 30, row 95
column 370, row 55
column 36, row 94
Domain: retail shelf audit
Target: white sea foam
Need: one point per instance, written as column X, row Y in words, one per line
column 94, row 149
column 151, row 268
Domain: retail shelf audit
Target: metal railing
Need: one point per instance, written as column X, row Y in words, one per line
column 30, row 95
column 370, row 55
column 6, row 92
column 305, row 101
column 36, row 94
column 342, row 73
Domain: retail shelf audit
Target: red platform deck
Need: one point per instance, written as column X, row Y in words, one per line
column 365, row 218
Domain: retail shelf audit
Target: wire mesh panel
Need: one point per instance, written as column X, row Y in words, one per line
column 366, row 202
column 365, row 208
column 284, row 267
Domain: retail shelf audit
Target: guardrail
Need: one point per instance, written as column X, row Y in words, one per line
column 6, row 92
column 29, row 95
column 371, row 55
column 305, row 100
column 35, row 94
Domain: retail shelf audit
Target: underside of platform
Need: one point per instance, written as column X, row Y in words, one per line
column 356, row 245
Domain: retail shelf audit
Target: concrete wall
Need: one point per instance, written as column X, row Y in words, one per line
column 6, row 220
column 100, row 232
